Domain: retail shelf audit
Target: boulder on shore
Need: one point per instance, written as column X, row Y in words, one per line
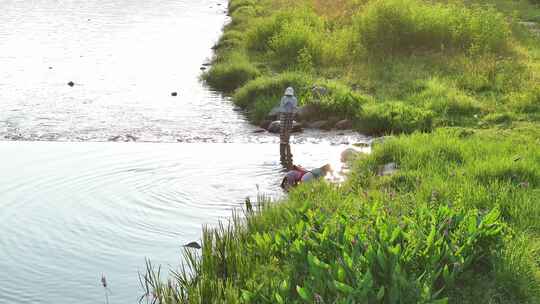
column 265, row 124
column 344, row 124
column 349, row 155
column 388, row 169
column 318, row 124
column 307, row 113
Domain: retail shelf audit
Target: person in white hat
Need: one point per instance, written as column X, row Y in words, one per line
column 288, row 106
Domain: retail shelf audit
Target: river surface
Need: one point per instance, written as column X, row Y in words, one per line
column 75, row 206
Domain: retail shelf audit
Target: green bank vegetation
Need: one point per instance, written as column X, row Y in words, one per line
column 457, row 84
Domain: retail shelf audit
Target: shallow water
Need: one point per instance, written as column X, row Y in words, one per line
column 71, row 212
column 74, row 206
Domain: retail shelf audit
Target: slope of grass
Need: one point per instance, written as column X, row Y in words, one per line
column 472, row 55
column 457, row 224
column 457, row 83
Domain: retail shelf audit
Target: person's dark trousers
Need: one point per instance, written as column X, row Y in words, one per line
column 286, row 124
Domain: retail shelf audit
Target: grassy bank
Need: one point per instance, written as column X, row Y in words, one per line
column 458, row 84
column 390, row 66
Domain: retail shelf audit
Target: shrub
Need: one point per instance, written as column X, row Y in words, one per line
column 394, row 117
column 268, row 87
column 526, row 102
column 394, row 26
column 292, row 40
column 450, row 105
column 339, row 99
column 318, row 250
column 231, row 39
column 231, row 73
column 285, row 34
column 234, row 5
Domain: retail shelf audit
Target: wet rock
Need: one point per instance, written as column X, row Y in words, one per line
column 203, row 68
column 349, row 155
column 206, row 64
column 344, row 124
column 131, row 138
column 194, row 245
column 259, row 130
column 275, row 127
column 318, row 124
column 333, row 120
column 115, row 138
column 388, row 169
column 308, row 112
column 174, row 94
column 71, row 83
column 265, row 124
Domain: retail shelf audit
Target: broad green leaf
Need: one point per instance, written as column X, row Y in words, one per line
column 380, row 294
column 347, row 289
column 303, row 293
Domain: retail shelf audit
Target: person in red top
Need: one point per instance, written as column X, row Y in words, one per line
column 293, row 177
column 299, row 174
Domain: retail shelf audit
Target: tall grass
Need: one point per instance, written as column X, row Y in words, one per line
column 393, row 26
column 450, row 226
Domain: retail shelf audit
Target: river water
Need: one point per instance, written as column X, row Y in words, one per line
column 75, row 206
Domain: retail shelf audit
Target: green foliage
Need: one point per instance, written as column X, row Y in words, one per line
column 359, row 252
column 526, row 101
column 230, row 40
column 394, row 117
column 339, row 99
column 231, row 73
column 450, row 105
column 395, row 26
column 287, row 35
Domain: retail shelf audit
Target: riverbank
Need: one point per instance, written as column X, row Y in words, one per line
column 457, row 84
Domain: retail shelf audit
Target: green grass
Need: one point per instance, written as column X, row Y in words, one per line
column 457, row 224
column 455, row 59
column 457, row 85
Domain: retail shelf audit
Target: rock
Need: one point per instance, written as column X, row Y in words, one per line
column 275, row 127
column 388, row 169
column 259, row 131
column 349, row 155
column 131, row 138
column 344, row 124
column 265, row 124
column 71, row 83
column 297, row 127
column 203, row 68
column 174, row 94
column 194, row 245
column 206, row 64
column 307, row 112
column 332, row 120
column 115, row 138
column 318, row 124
